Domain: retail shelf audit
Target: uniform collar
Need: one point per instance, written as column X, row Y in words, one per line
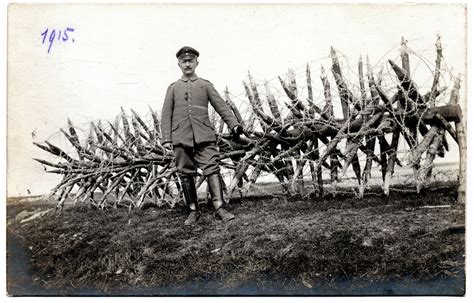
column 192, row 78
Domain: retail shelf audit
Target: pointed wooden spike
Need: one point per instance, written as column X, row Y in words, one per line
column 438, row 42
column 291, row 74
column 454, row 98
column 72, row 130
column 251, row 82
column 431, row 100
column 370, row 71
column 362, row 83
column 309, row 84
column 403, row 41
column 46, row 162
column 292, row 82
column 43, row 147
column 272, row 103
column 233, row 107
column 379, row 76
column 248, row 91
column 400, row 72
column 405, row 57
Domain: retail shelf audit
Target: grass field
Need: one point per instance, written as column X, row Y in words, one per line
column 406, row 243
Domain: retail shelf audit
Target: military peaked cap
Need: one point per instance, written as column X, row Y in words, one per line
column 187, row 51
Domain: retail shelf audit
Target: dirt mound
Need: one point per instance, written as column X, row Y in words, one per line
column 275, row 246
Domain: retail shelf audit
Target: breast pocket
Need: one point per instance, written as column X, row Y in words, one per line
column 200, row 93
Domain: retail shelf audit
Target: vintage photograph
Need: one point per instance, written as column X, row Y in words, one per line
column 236, row 149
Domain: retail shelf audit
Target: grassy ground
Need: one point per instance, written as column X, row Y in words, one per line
column 335, row 245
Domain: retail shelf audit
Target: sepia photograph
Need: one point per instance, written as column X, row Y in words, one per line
column 236, row 149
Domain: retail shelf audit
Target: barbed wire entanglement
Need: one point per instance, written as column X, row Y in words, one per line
column 295, row 143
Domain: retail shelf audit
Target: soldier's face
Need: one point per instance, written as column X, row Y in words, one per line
column 188, row 65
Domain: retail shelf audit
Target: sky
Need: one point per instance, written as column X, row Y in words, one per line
column 124, row 56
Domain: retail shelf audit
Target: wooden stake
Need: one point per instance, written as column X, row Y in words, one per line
column 461, row 135
column 345, row 94
column 439, row 55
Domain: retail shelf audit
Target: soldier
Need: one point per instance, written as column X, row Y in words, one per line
column 187, row 129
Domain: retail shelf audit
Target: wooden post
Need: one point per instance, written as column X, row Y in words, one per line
column 272, row 103
column 344, row 92
column 392, row 156
column 461, row 135
column 234, row 108
column 434, row 86
column 362, row 84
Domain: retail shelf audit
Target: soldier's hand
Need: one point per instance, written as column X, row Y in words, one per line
column 168, row 146
column 237, row 131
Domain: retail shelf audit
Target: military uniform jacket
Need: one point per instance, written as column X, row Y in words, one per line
column 184, row 117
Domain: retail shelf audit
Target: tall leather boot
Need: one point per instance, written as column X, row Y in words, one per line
column 217, row 197
column 190, row 196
